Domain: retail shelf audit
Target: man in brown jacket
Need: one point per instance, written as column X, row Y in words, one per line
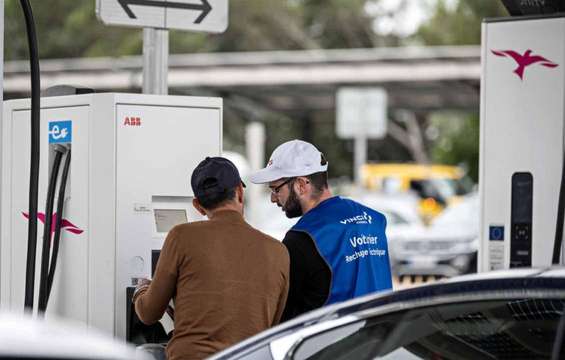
column 228, row 280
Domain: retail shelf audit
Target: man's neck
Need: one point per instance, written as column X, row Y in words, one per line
column 228, row 207
column 312, row 203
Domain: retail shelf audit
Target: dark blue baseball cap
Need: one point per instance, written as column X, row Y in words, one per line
column 214, row 175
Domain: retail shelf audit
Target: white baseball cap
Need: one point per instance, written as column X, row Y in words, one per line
column 293, row 158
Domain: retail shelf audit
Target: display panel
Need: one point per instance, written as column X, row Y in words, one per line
column 166, row 219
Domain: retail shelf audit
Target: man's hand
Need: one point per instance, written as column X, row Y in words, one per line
column 142, row 285
column 142, row 282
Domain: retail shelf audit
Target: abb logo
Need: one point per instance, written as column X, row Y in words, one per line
column 132, row 121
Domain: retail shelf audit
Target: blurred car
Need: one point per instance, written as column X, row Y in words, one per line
column 400, row 211
column 448, row 247
column 437, row 185
column 401, row 214
column 501, row 315
column 24, row 337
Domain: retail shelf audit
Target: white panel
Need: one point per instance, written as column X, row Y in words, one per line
column 102, row 212
column 112, row 13
column 361, row 111
column 195, row 15
column 215, row 21
column 157, row 149
column 17, row 168
column 120, row 170
column 70, row 288
column 73, row 252
column 19, row 204
column 522, row 128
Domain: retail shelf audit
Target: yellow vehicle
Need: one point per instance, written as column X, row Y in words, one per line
column 436, row 185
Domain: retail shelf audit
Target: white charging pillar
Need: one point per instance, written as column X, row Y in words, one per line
column 522, row 140
column 129, row 183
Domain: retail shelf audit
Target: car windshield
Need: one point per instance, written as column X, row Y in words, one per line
column 441, row 188
column 503, row 329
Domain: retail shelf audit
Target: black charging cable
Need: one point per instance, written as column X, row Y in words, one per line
column 559, row 335
column 46, row 249
column 34, row 163
column 559, row 225
column 58, row 224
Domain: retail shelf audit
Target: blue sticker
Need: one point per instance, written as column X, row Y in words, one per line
column 60, row 132
column 496, row 233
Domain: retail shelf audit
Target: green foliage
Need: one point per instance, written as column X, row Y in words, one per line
column 69, row 28
column 457, row 135
column 263, row 25
column 339, row 23
column 460, row 25
column 66, row 29
column 457, row 141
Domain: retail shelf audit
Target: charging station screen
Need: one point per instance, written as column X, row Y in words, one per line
column 166, row 219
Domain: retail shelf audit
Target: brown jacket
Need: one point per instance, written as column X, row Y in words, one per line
column 228, row 280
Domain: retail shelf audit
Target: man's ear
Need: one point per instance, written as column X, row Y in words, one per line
column 301, row 181
column 198, row 207
column 239, row 193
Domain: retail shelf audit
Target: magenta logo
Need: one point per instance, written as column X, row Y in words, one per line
column 65, row 224
column 525, row 60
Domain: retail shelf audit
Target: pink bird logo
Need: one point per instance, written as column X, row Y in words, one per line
column 525, row 60
column 65, row 224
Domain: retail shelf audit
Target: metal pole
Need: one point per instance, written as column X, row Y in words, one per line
column 360, row 155
column 1, row 107
column 255, row 148
column 155, row 61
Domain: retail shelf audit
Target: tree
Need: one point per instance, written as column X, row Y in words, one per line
column 66, row 29
column 460, row 25
column 456, row 135
column 70, row 29
column 456, row 140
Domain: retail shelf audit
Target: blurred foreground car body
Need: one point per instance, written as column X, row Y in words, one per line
column 500, row 315
column 22, row 337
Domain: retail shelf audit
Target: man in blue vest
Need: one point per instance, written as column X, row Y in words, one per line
column 338, row 249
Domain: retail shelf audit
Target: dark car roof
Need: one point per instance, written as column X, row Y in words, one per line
column 506, row 283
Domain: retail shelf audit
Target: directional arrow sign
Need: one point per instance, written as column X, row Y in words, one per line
column 196, row 15
column 204, row 8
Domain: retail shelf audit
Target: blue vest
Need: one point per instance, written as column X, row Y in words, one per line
column 351, row 239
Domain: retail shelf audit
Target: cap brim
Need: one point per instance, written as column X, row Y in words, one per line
column 266, row 175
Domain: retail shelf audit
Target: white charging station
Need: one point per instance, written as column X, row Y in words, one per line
column 129, row 183
column 522, row 139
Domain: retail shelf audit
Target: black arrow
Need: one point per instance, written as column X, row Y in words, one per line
column 205, row 7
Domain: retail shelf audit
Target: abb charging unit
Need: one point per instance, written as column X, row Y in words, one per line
column 522, row 140
column 128, row 184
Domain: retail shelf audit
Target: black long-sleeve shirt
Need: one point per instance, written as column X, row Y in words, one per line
column 310, row 275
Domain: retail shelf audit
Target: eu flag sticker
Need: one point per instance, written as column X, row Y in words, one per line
column 60, row 132
column 496, row 233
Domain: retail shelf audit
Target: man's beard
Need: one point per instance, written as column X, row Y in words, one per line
column 292, row 206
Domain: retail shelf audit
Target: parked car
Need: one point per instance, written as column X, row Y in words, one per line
column 24, row 337
column 401, row 212
column 437, row 186
column 501, row 315
column 448, row 247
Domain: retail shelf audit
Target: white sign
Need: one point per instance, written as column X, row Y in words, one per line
column 361, row 111
column 195, row 15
